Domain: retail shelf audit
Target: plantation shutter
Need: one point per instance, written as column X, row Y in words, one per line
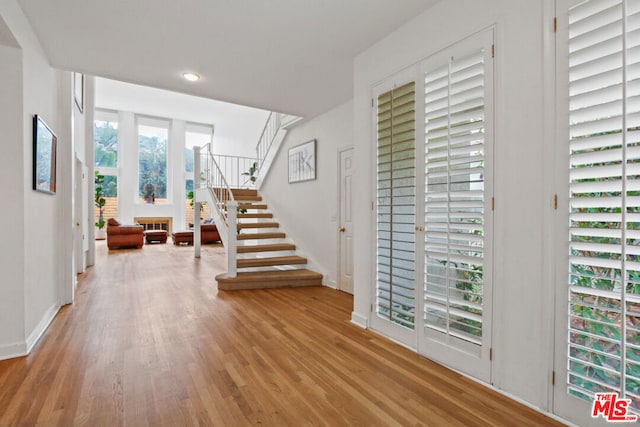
column 395, row 276
column 604, row 143
column 454, row 197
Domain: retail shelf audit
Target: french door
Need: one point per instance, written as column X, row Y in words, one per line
column 434, row 134
column 458, row 217
column 394, row 118
column 598, row 317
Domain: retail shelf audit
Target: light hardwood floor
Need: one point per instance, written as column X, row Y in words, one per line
column 150, row 341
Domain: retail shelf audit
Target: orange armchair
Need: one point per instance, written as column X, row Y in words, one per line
column 119, row 236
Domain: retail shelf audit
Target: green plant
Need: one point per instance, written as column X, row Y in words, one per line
column 99, row 200
column 190, row 196
column 251, row 173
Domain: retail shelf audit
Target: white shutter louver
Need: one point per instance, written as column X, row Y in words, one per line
column 604, row 142
column 395, row 283
column 454, row 197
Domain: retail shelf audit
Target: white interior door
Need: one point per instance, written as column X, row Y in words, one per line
column 345, row 230
column 79, row 200
column 87, row 221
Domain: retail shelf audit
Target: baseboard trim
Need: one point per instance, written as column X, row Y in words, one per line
column 11, row 351
column 41, row 327
column 359, row 320
column 331, row 283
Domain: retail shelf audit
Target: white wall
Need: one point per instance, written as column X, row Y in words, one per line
column 522, row 298
column 31, row 281
column 307, row 211
column 11, row 171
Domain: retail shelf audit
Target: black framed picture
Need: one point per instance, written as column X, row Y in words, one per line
column 44, row 156
column 302, row 162
column 78, row 90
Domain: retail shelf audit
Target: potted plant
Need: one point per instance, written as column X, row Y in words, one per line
column 149, row 193
column 100, row 202
column 190, row 197
column 251, row 173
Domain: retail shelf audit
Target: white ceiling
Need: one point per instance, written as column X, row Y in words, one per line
column 291, row 56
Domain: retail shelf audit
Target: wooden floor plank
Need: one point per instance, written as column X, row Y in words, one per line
column 151, row 341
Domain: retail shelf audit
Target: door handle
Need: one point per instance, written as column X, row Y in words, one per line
column 342, row 229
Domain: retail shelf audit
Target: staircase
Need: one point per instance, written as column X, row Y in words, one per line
column 264, row 258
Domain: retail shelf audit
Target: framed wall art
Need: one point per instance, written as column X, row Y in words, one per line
column 302, row 162
column 44, row 156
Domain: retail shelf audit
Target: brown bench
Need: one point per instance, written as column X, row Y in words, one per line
column 159, row 236
column 183, row 236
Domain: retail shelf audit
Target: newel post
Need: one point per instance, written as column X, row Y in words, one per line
column 232, row 244
column 196, row 205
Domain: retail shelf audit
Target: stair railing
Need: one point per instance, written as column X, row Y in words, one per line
column 267, row 137
column 224, row 207
column 236, row 169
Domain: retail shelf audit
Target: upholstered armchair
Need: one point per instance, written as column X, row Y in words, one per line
column 120, row 236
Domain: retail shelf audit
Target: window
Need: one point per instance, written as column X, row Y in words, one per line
column 105, row 131
column 153, row 141
column 604, row 213
column 196, row 135
column 396, row 199
column 110, row 194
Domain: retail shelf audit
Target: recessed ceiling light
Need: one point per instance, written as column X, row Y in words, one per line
column 192, row 77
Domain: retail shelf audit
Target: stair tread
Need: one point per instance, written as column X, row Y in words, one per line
column 266, row 248
column 253, row 236
column 251, row 206
column 258, row 225
column 265, row 262
column 247, row 198
column 255, row 215
column 244, row 192
column 271, row 276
